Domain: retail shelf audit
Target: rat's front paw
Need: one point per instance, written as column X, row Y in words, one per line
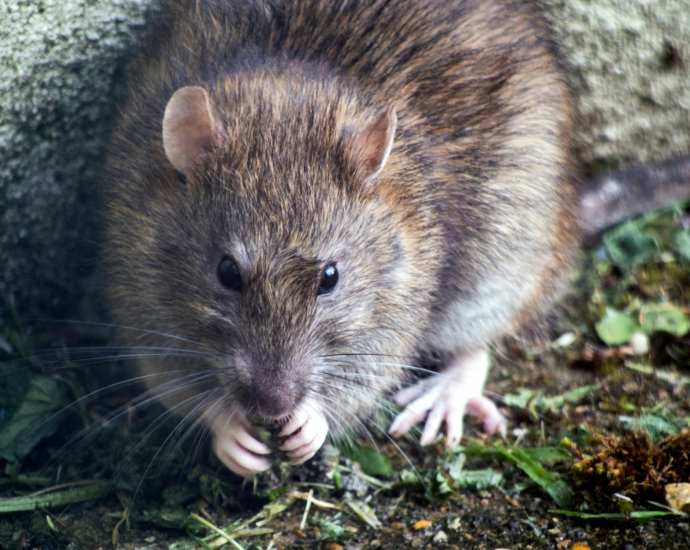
column 307, row 429
column 237, row 448
column 447, row 397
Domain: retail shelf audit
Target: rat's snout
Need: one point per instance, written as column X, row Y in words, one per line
column 273, row 395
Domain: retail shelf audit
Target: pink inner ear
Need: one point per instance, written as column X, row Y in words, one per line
column 189, row 127
column 371, row 146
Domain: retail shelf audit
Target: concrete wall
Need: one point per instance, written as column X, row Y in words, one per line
column 59, row 61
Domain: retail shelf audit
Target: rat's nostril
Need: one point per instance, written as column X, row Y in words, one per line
column 274, row 401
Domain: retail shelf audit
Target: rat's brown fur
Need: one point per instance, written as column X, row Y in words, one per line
column 467, row 234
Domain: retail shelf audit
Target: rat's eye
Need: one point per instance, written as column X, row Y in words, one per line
column 229, row 274
column 328, row 280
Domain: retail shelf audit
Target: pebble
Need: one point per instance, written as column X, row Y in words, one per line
column 440, row 537
column 639, row 343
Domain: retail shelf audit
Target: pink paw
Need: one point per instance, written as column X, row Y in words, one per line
column 237, row 448
column 307, row 431
column 447, row 397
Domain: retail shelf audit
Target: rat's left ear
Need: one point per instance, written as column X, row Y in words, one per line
column 372, row 145
column 190, row 128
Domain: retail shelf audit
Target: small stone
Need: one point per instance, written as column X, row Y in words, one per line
column 300, row 533
column 639, row 343
column 421, row 524
column 440, row 537
column 398, row 526
column 333, row 546
column 564, row 340
column 454, row 524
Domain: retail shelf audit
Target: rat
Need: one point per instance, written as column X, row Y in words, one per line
column 304, row 197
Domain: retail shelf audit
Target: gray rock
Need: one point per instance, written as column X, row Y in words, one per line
column 633, row 92
column 58, row 60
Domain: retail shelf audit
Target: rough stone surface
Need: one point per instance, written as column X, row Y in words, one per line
column 59, row 61
column 633, row 90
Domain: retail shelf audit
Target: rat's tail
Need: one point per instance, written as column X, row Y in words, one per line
column 606, row 200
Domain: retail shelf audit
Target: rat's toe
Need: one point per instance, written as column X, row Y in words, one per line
column 238, row 458
column 311, row 435
column 238, row 449
column 486, row 410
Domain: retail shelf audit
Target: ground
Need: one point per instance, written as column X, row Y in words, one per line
column 598, row 405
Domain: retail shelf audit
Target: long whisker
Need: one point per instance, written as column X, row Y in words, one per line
column 140, row 402
column 124, row 327
column 181, row 423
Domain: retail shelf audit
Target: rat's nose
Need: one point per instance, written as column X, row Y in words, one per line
column 273, row 399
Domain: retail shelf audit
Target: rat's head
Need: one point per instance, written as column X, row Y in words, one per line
column 288, row 248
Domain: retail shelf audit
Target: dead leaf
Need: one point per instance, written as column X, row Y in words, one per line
column 421, row 524
column 678, row 496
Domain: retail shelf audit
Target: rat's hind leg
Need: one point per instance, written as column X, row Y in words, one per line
column 448, row 396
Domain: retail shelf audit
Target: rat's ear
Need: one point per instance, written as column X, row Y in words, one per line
column 189, row 127
column 372, row 145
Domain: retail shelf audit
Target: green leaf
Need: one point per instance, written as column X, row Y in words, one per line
column 654, row 425
column 173, row 518
column 559, row 491
column 14, row 383
column 443, row 486
column 477, row 479
column 628, row 246
column 519, row 399
column 640, row 516
column 57, row 498
column 664, row 318
column 544, row 454
column 364, row 512
column 330, row 530
column 681, row 244
column 573, row 396
column 35, row 418
column 538, row 454
column 615, row 328
column 409, row 477
column 373, row 462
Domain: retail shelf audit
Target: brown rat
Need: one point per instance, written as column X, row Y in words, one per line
column 306, row 195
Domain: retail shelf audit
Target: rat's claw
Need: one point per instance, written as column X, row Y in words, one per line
column 237, row 448
column 309, row 431
column 485, row 409
column 447, row 397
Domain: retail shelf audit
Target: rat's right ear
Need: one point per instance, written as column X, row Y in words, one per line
column 190, row 128
column 372, row 145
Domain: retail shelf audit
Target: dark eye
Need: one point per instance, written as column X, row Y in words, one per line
column 229, row 274
column 328, row 280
